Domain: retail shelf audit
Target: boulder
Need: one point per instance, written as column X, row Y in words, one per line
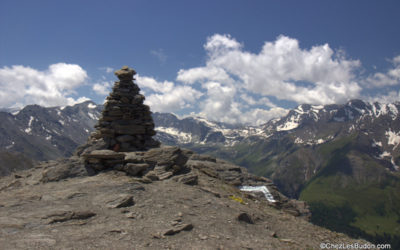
column 64, row 168
column 198, row 157
column 124, row 138
column 133, row 157
column 245, row 217
column 188, row 179
column 104, row 154
column 135, row 168
column 166, row 156
column 121, row 201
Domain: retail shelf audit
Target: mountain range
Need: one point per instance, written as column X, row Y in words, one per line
column 47, row 133
column 342, row 159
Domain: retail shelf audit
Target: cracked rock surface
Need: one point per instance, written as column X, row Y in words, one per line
column 115, row 210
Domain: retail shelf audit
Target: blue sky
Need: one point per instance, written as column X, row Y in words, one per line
column 232, row 61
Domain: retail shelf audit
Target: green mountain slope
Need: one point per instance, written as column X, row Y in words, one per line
column 348, row 189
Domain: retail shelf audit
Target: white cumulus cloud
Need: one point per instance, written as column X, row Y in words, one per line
column 153, row 84
column 391, row 97
column 234, row 85
column 106, row 69
column 389, row 78
column 259, row 116
column 21, row 85
column 166, row 96
column 221, row 44
column 193, row 75
column 281, row 69
column 102, row 88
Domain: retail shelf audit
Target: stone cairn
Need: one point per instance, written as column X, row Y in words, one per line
column 123, row 136
column 126, row 123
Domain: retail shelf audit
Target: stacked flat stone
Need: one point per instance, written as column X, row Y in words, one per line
column 126, row 123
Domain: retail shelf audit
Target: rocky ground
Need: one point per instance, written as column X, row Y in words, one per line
column 60, row 205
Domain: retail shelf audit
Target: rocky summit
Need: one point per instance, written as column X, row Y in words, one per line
column 123, row 190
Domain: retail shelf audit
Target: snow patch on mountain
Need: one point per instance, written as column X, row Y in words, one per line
column 389, row 155
column 394, row 164
column 298, row 141
column 91, row 106
column 292, row 123
column 28, row 130
column 262, row 189
column 205, row 121
column 311, row 142
column 379, row 109
column 384, row 154
column 233, row 133
column 393, row 138
column 180, row 136
column 338, row 119
column 317, row 108
column 10, row 146
column 351, row 128
column 92, row 116
column 376, row 143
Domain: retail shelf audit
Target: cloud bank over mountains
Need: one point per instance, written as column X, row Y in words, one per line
column 233, row 85
column 236, row 85
column 20, row 85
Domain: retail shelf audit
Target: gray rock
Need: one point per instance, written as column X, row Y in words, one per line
column 137, row 99
column 90, row 146
column 130, row 129
column 69, row 215
column 245, row 217
column 122, row 201
column 165, row 175
column 178, row 229
column 125, row 138
column 151, row 175
column 125, row 73
column 188, row 179
column 64, row 168
column 135, row 168
column 133, row 157
column 166, row 156
column 209, row 168
column 198, row 157
column 97, row 166
column 104, row 154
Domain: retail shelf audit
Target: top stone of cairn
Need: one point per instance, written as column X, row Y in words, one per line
column 125, row 73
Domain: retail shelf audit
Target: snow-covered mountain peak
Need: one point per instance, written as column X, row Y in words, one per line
column 200, row 130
